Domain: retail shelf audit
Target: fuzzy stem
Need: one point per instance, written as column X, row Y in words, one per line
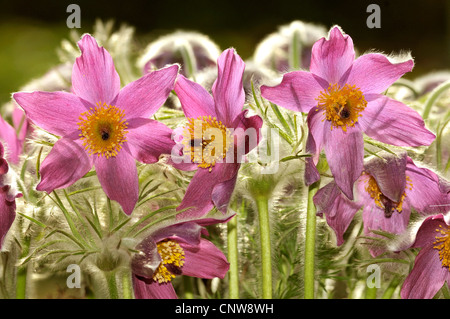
column 392, row 286
column 294, row 58
column 21, row 282
column 310, row 241
column 111, row 282
column 434, row 95
column 233, row 258
column 408, row 84
column 262, row 203
column 127, row 285
column 371, row 293
column 189, row 59
column 22, row 271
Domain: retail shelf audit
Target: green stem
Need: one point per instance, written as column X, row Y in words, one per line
column 188, row 287
column 111, row 282
column 408, row 84
column 310, row 241
column 294, row 58
column 262, row 203
column 22, row 271
column 127, row 286
column 189, row 60
column 21, row 282
column 434, row 95
column 233, row 273
column 388, row 293
column 371, row 293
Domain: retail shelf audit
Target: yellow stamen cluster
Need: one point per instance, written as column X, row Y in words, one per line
column 206, row 140
column 341, row 106
column 103, row 130
column 443, row 245
column 382, row 201
column 171, row 254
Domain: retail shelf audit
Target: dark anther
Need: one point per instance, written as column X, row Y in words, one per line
column 389, row 206
column 105, row 136
column 345, row 114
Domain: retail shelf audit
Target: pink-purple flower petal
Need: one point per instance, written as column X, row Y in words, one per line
column 374, row 73
column 331, row 58
column 148, row 139
column 389, row 173
column 7, row 211
column 227, row 90
column 345, row 155
column 94, row 77
column 195, row 100
column 66, row 163
column 392, row 122
column 222, row 192
column 184, row 232
column 148, row 289
column 298, row 91
column 426, row 277
column 197, row 201
column 426, row 234
column 119, row 179
column 247, row 132
column 338, row 209
column 374, row 218
column 9, row 137
column 143, row 97
column 425, row 193
column 55, row 112
column 204, row 260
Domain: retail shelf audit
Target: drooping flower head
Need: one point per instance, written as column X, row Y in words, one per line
column 432, row 265
column 214, row 138
column 343, row 98
column 386, row 190
column 101, row 124
column 8, row 195
column 177, row 249
column 275, row 51
column 192, row 50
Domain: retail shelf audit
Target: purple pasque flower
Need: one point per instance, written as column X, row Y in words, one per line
column 432, row 265
column 386, row 191
column 8, row 196
column 177, row 249
column 101, row 124
column 343, row 98
column 9, row 138
column 217, row 158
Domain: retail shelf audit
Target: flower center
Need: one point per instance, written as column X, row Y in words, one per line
column 382, row 201
column 206, row 140
column 443, row 245
column 341, row 106
column 172, row 256
column 103, row 130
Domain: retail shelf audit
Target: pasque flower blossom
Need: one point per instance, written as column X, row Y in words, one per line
column 101, row 124
column 176, row 249
column 9, row 138
column 343, row 98
column 387, row 190
column 8, row 196
column 431, row 267
column 217, row 158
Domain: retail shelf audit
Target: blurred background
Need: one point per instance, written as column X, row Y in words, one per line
column 30, row 32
